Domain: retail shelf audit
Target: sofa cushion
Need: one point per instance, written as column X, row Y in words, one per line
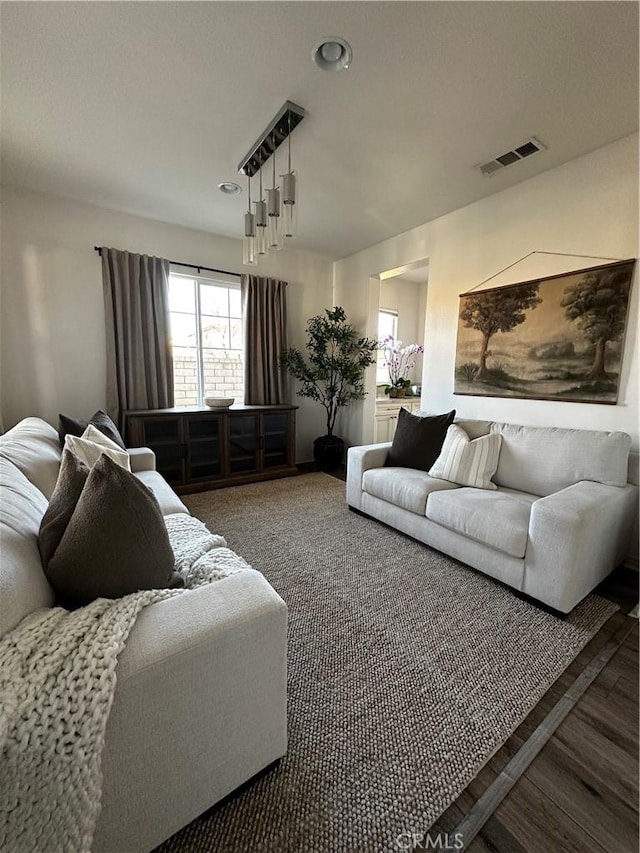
column 496, row 519
column 33, row 447
column 168, row 500
column 404, row 487
column 92, row 443
column 418, row 440
column 527, row 497
column 543, row 460
column 468, row 462
column 100, row 420
column 474, row 428
column 116, row 541
column 23, row 586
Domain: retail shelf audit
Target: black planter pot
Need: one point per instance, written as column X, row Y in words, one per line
column 328, row 452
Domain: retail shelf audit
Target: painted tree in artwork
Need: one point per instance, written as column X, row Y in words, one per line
column 499, row 310
column 597, row 303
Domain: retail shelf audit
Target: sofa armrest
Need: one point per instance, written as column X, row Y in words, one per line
column 576, row 537
column 199, row 708
column 229, row 608
column 142, row 459
column 359, row 460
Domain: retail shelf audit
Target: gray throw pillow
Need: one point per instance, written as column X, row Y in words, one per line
column 418, row 440
column 115, row 543
column 71, row 480
column 76, row 426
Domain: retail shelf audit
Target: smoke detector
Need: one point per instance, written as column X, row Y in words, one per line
column 526, row 149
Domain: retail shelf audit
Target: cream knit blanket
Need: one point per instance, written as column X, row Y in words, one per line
column 57, row 682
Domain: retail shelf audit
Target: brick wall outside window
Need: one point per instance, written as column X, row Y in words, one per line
column 223, row 377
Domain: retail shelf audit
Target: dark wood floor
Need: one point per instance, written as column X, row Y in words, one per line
column 580, row 794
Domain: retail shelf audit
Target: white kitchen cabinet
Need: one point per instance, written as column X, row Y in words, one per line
column 387, row 412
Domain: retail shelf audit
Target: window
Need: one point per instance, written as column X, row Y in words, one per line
column 206, row 331
column 387, row 325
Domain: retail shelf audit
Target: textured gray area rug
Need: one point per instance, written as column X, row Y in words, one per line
column 407, row 671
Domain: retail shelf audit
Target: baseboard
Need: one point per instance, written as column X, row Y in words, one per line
column 311, row 467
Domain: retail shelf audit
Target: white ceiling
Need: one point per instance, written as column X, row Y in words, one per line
column 145, row 106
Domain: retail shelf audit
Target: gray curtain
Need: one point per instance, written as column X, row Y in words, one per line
column 264, row 316
column 139, row 353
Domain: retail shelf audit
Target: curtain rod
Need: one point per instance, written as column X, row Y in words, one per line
column 198, row 267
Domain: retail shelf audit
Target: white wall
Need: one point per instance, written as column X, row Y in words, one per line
column 588, row 206
column 52, row 316
column 52, row 313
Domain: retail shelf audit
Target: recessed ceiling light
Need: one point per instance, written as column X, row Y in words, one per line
column 332, row 54
column 229, row 188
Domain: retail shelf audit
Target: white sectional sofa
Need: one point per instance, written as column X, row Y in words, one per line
column 200, row 701
column 559, row 521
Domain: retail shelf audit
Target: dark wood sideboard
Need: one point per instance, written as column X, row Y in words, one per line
column 199, row 448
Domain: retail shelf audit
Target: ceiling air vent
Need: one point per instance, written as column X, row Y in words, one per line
column 531, row 146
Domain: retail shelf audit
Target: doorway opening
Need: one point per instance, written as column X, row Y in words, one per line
column 401, row 319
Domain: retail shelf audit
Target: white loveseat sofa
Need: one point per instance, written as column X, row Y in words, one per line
column 200, row 701
column 559, row 521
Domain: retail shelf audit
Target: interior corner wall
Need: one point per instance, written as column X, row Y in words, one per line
column 52, row 338
column 588, row 206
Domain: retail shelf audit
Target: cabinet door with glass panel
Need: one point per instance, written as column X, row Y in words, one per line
column 164, row 436
column 276, row 440
column 205, row 444
column 244, row 443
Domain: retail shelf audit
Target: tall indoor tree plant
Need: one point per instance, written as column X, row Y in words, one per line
column 332, row 373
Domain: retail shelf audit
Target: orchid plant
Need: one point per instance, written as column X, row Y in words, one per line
column 399, row 361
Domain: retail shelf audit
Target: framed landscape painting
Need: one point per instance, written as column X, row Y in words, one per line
column 555, row 338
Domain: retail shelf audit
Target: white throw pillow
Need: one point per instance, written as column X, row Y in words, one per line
column 466, row 462
column 92, row 443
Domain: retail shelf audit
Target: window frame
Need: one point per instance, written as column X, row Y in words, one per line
column 199, row 281
column 392, row 312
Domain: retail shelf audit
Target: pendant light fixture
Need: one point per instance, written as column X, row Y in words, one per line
column 261, row 222
column 275, row 215
column 249, row 256
column 274, row 240
column 289, row 209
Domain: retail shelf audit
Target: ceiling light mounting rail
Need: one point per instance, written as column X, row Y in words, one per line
column 276, row 212
column 283, row 123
